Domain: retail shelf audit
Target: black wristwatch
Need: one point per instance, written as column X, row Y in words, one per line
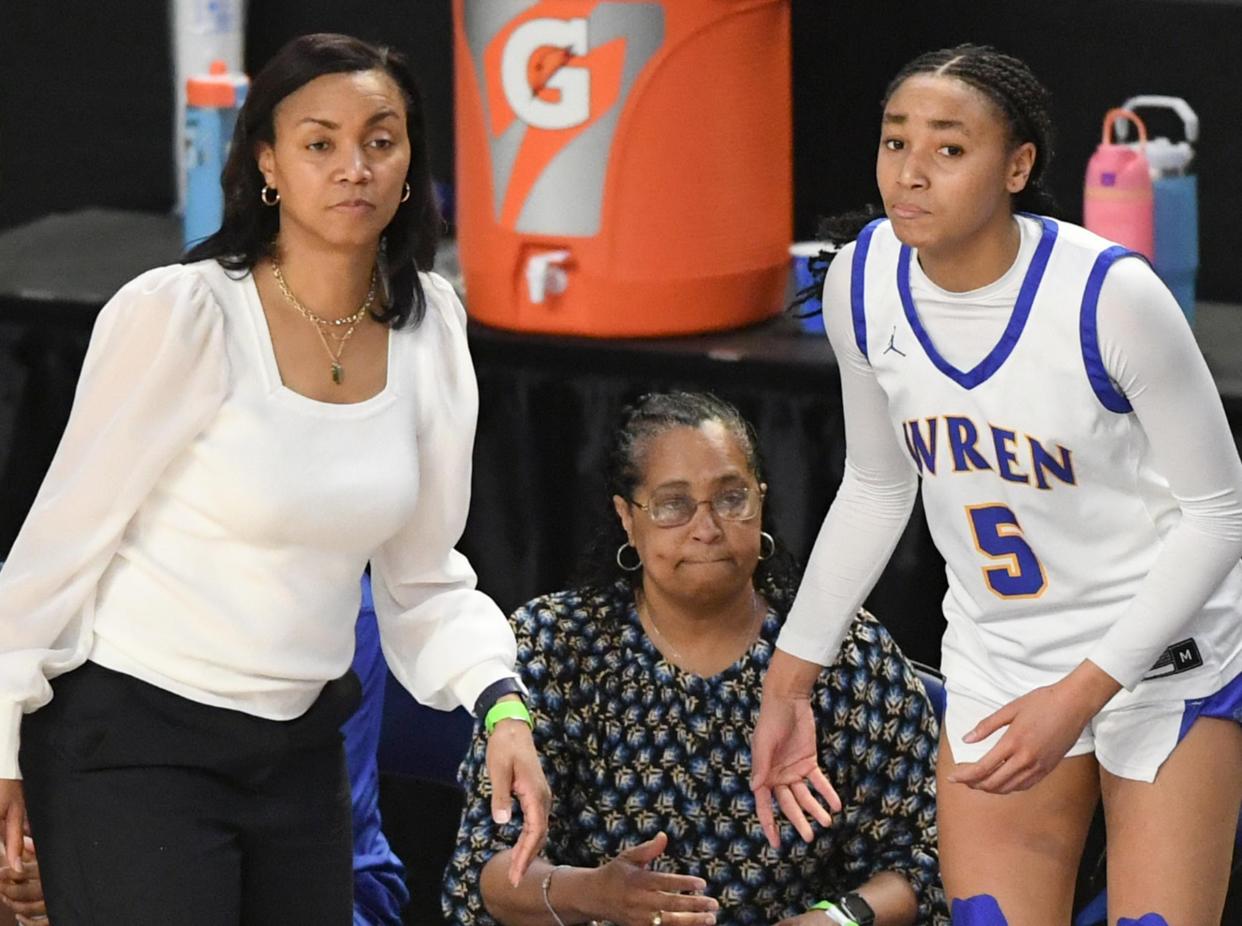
column 856, row 908
column 494, row 692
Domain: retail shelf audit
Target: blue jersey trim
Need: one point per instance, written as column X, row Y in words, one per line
column 858, row 272
column 1088, row 332
column 1017, row 320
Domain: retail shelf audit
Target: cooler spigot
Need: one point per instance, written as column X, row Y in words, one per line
column 545, row 275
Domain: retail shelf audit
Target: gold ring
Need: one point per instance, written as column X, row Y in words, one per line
column 657, row 918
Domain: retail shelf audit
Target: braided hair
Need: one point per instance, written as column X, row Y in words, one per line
column 1010, row 84
column 1016, row 92
column 649, row 416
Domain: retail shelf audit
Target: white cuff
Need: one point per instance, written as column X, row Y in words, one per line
column 10, row 740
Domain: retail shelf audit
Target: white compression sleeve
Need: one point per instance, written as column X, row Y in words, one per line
column 1151, row 355
column 872, row 505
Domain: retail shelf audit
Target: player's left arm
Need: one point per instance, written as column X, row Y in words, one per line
column 1151, row 354
column 1153, row 360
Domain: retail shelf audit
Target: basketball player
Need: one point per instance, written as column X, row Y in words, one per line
column 1081, row 482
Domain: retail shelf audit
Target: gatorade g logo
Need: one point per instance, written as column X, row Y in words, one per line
column 540, row 85
column 555, row 76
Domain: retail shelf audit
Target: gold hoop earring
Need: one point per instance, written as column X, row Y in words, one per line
column 765, row 537
column 263, row 195
column 406, row 194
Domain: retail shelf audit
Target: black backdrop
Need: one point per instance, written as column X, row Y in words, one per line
column 86, row 104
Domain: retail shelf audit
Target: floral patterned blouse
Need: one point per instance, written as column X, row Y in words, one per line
column 633, row 745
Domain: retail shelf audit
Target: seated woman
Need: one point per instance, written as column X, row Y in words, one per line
column 644, row 683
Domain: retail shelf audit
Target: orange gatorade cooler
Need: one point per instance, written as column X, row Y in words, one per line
column 623, row 168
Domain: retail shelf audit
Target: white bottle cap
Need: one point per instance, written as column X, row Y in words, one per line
column 1166, row 158
column 1190, row 120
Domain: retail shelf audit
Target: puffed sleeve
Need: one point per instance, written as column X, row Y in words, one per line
column 443, row 639
column 154, row 374
column 880, row 736
column 549, row 670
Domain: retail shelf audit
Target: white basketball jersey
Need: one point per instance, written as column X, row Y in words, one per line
column 1036, row 478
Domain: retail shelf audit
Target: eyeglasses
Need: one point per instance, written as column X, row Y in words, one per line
column 737, row 503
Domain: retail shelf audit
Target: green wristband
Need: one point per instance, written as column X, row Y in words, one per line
column 506, row 710
column 833, row 912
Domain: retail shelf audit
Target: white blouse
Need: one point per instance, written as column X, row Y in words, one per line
column 203, row 527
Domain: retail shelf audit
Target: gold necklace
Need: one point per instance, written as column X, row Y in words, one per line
column 755, row 622
column 324, row 326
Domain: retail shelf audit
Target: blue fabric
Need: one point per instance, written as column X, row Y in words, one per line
column 1088, row 333
column 1225, row 704
column 379, row 878
column 858, row 276
column 1147, row 919
column 980, row 910
column 1094, row 912
column 419, row 741
column 984, row 369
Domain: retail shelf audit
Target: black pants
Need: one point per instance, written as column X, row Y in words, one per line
column 148, row 809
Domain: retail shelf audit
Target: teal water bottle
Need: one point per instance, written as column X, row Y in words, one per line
column 212, row 104
column 1176, row 201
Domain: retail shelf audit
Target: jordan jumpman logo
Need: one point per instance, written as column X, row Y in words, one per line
column 892, row 346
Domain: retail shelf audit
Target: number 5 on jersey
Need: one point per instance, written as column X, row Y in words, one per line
column 998, row 536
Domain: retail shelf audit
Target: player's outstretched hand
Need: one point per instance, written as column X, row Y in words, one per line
column 1042, row 727
column 785, row 751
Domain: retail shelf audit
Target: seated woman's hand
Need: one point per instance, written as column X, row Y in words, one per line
column 629, row 893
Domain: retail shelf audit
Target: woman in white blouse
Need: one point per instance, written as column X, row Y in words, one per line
column 251, row 429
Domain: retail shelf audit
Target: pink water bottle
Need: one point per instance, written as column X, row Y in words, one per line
column 1117, row 200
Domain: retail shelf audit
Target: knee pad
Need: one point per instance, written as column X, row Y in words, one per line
column 983, row 910
column 1147, row 919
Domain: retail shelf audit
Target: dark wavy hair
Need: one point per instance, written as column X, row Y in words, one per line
column 248, row 232
column 651, row 415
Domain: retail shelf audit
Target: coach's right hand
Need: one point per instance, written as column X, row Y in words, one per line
column 13, row 817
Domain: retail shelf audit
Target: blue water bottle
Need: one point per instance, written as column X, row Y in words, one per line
column 212, row 103
column 1176, row 201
